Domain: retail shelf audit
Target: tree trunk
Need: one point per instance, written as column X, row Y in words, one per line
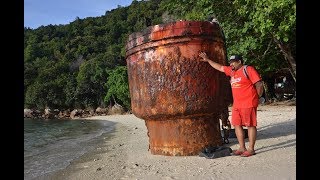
column 266, row 91
column 288, row 56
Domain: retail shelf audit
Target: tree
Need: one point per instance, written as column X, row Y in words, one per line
column 90, row 83
column 267, row 27
column 262, row 31
column 118, row 87
column 275, row 20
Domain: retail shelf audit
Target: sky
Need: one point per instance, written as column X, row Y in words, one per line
column 56, row 12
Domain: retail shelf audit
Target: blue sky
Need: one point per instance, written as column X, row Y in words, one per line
column 55, row 12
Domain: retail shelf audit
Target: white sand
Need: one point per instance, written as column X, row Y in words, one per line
column 125, row 154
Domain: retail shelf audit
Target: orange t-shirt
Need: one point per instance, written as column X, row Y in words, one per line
column 244, row 92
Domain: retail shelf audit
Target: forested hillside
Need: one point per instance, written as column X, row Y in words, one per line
column 82, row 64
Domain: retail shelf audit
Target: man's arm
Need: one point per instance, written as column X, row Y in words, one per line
column 259, row 87
column 215, row 65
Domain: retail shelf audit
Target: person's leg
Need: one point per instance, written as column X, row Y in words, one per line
column 252, row 134
column 240, row 136
column 250, row 121
column 236, row 122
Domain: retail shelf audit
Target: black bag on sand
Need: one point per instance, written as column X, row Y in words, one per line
column 215, row 152
column 232, row 133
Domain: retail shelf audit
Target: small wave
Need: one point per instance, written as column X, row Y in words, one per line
column 53, row 148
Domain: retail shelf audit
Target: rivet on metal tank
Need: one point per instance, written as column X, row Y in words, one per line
column 177, row 95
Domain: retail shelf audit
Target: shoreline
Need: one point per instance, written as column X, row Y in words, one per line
column 123, row 153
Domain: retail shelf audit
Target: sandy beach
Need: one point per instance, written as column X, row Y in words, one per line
column 124, row 153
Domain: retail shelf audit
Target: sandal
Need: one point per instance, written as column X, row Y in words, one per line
column 237, row 152
column 247, row 153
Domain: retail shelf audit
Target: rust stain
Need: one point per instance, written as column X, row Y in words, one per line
column 178, row 96
column 183, row 137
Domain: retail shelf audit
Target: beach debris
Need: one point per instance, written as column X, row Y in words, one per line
column 212, row 152
column 177, row 95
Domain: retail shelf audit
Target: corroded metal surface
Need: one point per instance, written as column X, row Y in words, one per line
column 177, row 95
column 182, row 137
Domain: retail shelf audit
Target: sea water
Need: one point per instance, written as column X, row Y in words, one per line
column 50, row 145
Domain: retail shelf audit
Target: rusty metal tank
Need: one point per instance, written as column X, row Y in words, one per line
column 178, row 96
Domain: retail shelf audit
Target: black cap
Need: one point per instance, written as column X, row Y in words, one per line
column 235, row 57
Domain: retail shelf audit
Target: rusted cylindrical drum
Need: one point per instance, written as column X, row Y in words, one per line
column 177, row 95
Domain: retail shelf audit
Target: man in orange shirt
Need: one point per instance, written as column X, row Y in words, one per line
column 246, row 93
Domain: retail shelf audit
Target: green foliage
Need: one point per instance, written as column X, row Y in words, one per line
column 90, row 83
column 47, row 85
column 250, row 27
column 270, row 17
column 34, row 96
column 82, row 64
column 118, row 87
